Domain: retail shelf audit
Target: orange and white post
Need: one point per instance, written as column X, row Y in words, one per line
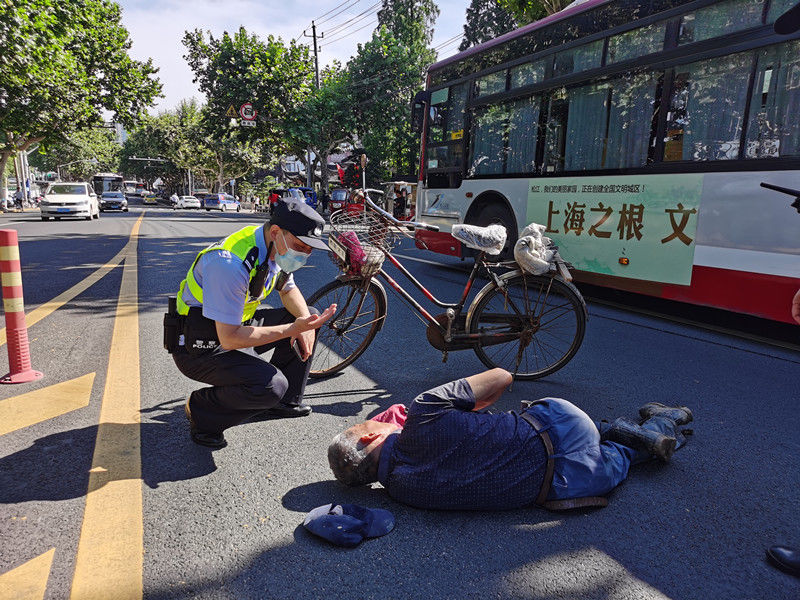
column 19, row 353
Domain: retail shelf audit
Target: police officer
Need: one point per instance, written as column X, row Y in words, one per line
column 225, row 331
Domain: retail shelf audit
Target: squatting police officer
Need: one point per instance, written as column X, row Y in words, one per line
column 225, row 331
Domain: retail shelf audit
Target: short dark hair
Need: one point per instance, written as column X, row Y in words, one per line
column 350, row 464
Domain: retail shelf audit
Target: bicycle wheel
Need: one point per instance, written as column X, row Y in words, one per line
column 538, row 324
column 359, row 315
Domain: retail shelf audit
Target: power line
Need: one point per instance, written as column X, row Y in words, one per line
column 370, row 24
column 449, row 41
column 350, row 4
column 359, row 17
column 331, row 10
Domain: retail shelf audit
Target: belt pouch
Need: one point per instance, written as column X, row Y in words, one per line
column 172, row 325
column 200, row 332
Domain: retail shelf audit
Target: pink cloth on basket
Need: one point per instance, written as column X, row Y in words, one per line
column 350, row 241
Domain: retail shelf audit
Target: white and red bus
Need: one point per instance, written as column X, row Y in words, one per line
column 639, row 133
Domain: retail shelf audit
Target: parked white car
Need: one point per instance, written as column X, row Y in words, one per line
column 187, row 202
column 70, row 200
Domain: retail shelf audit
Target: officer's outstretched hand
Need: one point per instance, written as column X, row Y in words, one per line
column 304, row 329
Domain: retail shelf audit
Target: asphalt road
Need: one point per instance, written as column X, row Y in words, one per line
column 228, row 524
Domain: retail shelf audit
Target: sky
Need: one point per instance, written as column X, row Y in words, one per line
column 157, row 26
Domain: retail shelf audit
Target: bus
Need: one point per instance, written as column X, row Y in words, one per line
column 638, row 133
column 107, row 182
column 134, row 188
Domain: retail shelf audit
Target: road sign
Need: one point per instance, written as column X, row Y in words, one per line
column 247, row 112
column 244, row 123
column 231, row 112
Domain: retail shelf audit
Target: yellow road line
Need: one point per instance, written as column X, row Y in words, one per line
column 110, row 550
column 29, row 580
column 46, row 403
column 40, row 312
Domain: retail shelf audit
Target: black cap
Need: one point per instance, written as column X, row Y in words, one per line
column 302, row 221
column 788, row 22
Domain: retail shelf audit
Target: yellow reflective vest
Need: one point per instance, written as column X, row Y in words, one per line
column 241, row 244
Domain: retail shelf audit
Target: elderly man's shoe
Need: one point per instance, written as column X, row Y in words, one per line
column 785, row 558
column 630, row 434
column 209, row 440
column 681, row 415
column 287, row 411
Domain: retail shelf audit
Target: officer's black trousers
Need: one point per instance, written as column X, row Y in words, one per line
column 242, row 383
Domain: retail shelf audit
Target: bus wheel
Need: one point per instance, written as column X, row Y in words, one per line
column 496, row 213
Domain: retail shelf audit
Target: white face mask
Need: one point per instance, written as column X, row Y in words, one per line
column 292, row 260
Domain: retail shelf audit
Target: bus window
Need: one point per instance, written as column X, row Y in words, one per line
column 488, row 141
column 719, row 19
column 528, row 74
column 635, row 43
column 455, row 112
column 492, row 83
column 777, row 8
column 445, row 149
column 706, row 111
column 773, row 128
column 602, row 125
column 523, row 130
column 578, row 59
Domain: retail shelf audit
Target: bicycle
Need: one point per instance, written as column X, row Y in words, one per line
column 530, row 325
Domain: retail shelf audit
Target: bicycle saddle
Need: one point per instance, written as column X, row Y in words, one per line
column 489, row 239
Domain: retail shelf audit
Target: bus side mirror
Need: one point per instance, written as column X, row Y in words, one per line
column 417, row 117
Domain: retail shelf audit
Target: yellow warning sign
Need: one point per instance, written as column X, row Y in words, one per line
column 231, row 112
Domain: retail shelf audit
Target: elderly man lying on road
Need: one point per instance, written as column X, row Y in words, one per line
column 446, row 452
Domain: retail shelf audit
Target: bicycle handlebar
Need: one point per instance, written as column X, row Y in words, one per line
column 783, row 190
column 399, row 223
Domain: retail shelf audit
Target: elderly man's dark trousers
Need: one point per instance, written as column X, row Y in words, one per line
column 242, row 384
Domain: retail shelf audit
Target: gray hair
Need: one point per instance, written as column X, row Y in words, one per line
column 350, row 464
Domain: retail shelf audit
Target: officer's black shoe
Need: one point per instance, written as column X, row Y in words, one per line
column 286, row 411
column 785, row 558
column 681, row 415
column 210, row 440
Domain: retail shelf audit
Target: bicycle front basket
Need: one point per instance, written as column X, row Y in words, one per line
column 359, row 242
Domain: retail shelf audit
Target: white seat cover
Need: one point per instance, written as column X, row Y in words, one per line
column 489, row 239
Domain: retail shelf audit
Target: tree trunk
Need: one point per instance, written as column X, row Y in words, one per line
column 324, row 171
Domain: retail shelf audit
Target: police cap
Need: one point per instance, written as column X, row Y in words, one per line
column 299, row 219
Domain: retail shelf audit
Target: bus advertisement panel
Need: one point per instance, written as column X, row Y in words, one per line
column 641, row 227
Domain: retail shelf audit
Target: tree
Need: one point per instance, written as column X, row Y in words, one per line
column 486, row 20
column 325, row 120
column 385, row 74
column 63, row 64
column 89, row 145
column 528, row 11
column 240, row 68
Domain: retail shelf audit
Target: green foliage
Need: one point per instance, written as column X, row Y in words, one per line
column 385, row 74
column 63, row 64
column 486, row 20
column 528, row 11
column 184, row 138
column 240, row 68
column 325, row 119
column 96, row 144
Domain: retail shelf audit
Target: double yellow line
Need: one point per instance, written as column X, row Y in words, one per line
column 110, row 550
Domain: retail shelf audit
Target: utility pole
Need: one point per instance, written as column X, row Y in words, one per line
column 309, row 166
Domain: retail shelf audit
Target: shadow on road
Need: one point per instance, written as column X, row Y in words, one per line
column 56, row 467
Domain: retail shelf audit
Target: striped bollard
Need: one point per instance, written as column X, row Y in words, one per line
column 19, row 353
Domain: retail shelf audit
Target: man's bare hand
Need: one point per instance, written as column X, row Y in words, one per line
column 303, row 330
column 796, row 307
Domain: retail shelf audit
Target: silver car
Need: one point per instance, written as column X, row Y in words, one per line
column 70, row 200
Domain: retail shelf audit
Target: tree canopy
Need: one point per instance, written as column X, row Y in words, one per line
column 63, row 64
column 238, row 68
column 91, row 150
column 486, row 20
column 528, row 11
